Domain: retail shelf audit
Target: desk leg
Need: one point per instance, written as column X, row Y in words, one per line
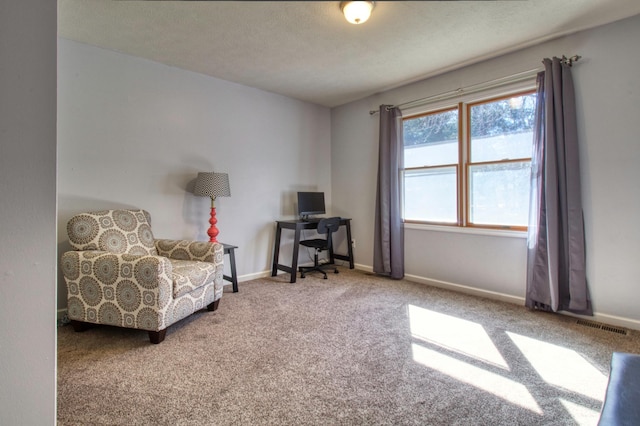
column 294, row 260
column 349, row 245
column 332, row 258
column 232, row 265
column 276, row 252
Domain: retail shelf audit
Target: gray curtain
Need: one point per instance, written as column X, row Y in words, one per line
column 556, row 277
column 388, row 243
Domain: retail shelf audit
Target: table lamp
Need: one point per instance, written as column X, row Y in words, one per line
column 210, row 184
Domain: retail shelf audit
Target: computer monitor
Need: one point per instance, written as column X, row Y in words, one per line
column 310, row 203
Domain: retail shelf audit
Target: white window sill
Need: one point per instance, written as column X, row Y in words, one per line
column 508, row 233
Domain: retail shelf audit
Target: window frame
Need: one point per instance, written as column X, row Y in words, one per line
column 457, row 167
column 463, row 104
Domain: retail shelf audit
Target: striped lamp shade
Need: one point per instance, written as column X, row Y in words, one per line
column 210, row 184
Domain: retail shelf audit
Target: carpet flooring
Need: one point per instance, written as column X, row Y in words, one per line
column 355, row 349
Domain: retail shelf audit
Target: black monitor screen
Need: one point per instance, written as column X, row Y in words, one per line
column 310, row 203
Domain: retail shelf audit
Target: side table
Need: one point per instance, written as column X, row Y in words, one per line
column 233, row 279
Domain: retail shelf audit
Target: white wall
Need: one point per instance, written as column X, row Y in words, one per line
column 136, row 133
column 27, row 212
column 608, row 93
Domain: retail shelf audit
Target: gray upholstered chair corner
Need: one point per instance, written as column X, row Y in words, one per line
column 119, row 275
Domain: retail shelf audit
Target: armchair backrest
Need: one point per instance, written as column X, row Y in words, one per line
column 115, row 231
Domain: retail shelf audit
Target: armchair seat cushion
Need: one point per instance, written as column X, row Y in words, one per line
column 189, row 275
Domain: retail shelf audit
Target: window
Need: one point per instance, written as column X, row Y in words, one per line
column 469, row 165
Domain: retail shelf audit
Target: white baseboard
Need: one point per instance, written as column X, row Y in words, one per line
column 253, row 276
column 61, row 315
column 597, row 316
column 466, row 289
column 361, row 267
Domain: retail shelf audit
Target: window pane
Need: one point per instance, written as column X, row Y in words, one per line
column 431, row 195
column 499, row 194
column 502, row 130
column 431, row 140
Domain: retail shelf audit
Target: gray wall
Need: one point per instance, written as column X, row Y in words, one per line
column 27, row 212
column 132, row 132
column 608, row 93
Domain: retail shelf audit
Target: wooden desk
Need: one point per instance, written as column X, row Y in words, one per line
column 297, row 226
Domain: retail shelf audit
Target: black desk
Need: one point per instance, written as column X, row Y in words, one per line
column 297, row 226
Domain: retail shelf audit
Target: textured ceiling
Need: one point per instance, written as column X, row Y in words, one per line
column 306, row 50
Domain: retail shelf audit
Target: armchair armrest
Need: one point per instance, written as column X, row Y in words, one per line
column 117, row 289
column 203, row 251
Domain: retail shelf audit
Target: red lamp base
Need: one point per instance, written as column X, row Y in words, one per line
column 213, row 230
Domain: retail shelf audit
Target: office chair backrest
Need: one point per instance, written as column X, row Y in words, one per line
column 328, row 226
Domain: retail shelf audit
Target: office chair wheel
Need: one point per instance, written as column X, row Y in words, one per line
column 335, row 271
column 301, row 275
column 325, row 277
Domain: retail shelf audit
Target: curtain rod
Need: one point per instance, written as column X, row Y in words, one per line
column 514, row 78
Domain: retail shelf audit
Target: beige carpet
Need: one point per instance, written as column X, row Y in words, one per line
column 354, row 349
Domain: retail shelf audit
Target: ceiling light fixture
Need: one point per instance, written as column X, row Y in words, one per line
column 357, row 12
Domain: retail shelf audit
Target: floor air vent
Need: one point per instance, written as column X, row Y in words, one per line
column 604, row 327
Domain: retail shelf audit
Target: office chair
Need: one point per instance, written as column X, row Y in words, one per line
column 325, row 226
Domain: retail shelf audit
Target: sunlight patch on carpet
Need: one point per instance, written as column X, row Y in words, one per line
column 582, row 415
column 562, row 367
column 456, row 334
column 509, row 390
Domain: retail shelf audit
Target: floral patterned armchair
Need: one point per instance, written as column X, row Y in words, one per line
column 119, row 275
